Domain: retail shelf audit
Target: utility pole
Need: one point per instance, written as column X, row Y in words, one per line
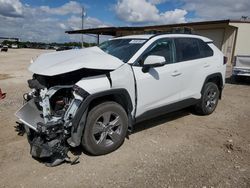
column 83, row 15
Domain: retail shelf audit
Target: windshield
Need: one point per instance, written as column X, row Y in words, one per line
column 123, row 49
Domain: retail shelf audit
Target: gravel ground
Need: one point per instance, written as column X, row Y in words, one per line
column 175, row 150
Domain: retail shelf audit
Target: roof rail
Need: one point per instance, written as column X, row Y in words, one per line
column 176, row 30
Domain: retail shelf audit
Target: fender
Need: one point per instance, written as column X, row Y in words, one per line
column 79, row 121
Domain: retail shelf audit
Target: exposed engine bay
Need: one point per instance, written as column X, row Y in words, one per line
column 49, row 110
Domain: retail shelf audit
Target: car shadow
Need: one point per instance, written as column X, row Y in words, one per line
column 144, row 125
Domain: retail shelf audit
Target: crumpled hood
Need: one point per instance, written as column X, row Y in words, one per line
column 56, row 63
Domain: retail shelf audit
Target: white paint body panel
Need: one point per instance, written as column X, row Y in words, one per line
column 123, row 78
column 157, row 88
column 56, row 63
column 94, row 84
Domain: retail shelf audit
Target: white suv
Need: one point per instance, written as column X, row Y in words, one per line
column 94, row 96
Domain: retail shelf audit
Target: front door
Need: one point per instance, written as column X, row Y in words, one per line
column 159, row 86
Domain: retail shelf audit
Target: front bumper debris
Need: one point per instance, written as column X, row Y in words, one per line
column 47, row 139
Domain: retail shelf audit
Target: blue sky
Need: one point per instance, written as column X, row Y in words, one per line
column 47, row 20
column 95, row 8
column 103, row 9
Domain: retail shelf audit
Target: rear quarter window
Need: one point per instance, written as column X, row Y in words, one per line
column 191, row 48
column 205, row 50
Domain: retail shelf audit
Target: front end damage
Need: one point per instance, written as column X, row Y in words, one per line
column 49, row 112
column 55, row 110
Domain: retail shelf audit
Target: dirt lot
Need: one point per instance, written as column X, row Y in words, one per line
column 175, row 150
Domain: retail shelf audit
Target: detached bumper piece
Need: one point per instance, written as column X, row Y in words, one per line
column 47, row 144
column 52, row 153
column 19, row 128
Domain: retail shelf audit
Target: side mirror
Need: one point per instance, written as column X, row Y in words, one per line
column 153, row 61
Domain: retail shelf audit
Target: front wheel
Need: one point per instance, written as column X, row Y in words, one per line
column 106, row 128
column 209, row 99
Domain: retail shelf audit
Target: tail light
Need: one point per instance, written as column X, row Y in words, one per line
column 225, row 60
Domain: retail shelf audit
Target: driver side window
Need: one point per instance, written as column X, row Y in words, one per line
column 161, row 47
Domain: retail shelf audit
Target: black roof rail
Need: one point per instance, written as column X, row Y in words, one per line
column 178, row 30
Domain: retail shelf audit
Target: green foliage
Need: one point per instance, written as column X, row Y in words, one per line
column 41, row 45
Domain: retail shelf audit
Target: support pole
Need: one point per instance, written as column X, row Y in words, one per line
column 83, row 13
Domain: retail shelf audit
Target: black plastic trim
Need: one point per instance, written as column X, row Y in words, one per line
column 166, row 109
column 136, row 92
column 109, row 78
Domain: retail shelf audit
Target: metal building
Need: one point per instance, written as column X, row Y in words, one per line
column 231, row 36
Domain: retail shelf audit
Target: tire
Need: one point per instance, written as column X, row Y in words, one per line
column 209, row 99
column 106, row 128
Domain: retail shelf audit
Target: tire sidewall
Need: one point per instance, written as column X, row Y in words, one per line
column 88, row 141
column 208, row 86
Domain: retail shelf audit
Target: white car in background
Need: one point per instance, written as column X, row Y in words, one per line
column 94, row 96
column 241, row 67
column 14, row 46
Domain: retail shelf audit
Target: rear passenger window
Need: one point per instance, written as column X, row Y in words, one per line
column 191, row 48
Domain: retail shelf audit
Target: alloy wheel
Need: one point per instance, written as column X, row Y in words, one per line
column 107, row 129
column 211, row 99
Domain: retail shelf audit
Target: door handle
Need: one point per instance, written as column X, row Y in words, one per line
column 176, row 73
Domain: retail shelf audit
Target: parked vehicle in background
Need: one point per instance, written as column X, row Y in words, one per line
column 94, row 96
column 62, row 48
column 241, row 67
column 55, row 47
column 4, row 48
column 14, row 46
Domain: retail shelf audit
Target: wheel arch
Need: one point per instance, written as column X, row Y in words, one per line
column 121, row 96
column 217, row 79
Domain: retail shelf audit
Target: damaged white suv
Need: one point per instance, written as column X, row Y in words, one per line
column 94, row 96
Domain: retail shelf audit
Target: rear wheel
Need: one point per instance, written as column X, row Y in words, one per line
column 106, row 128
column 209, row 99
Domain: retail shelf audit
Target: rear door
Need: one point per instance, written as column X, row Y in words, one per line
column 195, row 59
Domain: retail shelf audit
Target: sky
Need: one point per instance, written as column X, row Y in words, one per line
column 47, row 20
